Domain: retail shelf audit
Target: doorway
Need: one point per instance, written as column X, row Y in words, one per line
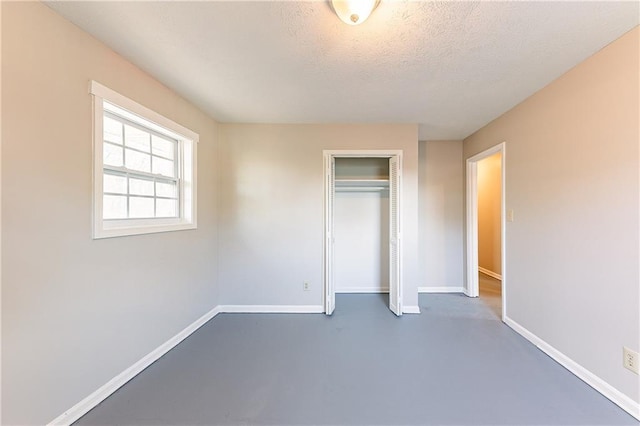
column 489, row 235
column 486, row 228
column 343, row 175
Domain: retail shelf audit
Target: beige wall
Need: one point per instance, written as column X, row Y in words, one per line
column 271, row 207
column 77, row 311
column 572, row 180
column 441, row 214
column 489, row 197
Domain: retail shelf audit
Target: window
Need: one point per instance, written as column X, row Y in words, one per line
column 144, row 169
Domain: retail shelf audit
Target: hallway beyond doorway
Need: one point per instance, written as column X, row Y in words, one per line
column 491, row 293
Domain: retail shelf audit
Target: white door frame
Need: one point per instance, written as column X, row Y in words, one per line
column 329, row 189
column 472, row 285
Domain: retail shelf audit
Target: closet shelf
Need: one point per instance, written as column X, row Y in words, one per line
column 361, row 184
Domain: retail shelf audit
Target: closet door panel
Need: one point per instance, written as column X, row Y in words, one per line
column 395, row 236
column 330, row 187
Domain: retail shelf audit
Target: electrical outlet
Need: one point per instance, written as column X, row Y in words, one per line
column 306, row 286
column 630, row 359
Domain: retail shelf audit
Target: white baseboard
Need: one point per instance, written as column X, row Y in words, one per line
column 102, row 393
column 490, row 273
column 83, row 407
column 440, row 289
column 415, row 309
column 362, row 290
column 623, row 401
column 272, row 309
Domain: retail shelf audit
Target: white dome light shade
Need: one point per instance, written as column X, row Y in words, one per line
column 354, row 12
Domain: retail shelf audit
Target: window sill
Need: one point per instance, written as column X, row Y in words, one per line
column 124, row 231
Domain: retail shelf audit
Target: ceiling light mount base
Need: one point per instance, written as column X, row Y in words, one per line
column 354, row 12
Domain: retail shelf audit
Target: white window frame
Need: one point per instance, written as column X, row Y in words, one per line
column 187, row 167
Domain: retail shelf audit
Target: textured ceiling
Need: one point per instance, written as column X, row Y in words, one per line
column 451, row 67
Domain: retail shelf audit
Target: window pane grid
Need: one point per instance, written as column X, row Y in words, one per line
column 138, row 150
column 140, row 170
column 159, row 144
column 133, row 148
column 161, row 206
column 156, row 135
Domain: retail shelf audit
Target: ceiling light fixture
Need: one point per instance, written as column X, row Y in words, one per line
column 354, row 12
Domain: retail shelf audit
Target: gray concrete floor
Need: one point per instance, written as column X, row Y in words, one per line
column 455, row 364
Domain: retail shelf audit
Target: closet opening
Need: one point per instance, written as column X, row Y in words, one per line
column 362, row 225
column 361, row 232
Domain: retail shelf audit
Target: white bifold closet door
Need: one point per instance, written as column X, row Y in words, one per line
column 330, row 188
column 395, row 270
